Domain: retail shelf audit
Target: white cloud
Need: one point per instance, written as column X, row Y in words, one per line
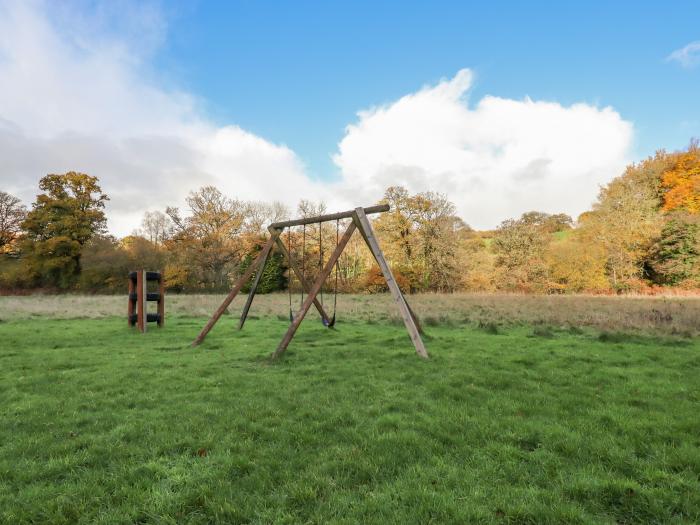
column 89, row 105
column 77, row 93
column 688, row 56
column 496, row 160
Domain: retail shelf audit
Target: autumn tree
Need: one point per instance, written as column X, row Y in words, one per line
column 421, row 236
column 574, row 266
column 68, row 213
column 207, row 242
column 477, row 264
column 546, row 222
column 12, row 214
column 626, row 220
column 157, row 227
column 519, row 245
column 258, row 215
column 681, row 182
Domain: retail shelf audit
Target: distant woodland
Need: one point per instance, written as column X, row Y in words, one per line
column 642, row 235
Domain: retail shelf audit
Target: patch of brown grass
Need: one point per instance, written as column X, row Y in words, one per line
column 655, row 314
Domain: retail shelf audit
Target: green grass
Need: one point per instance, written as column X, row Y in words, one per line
column 562, row 235
column 525, row 424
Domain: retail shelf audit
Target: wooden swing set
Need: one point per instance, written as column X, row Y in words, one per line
column 359, row 222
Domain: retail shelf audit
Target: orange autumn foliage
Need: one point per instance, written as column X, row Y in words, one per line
column 682, row 182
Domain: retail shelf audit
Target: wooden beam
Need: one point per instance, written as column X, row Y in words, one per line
column 132, row 304
column 331, row 217
column 415, row 317
column 141, row 289
column 237, row 288
column 365, row 228
column 253, row 288
column 161, row 301
column 313, row 292
column 304, row 283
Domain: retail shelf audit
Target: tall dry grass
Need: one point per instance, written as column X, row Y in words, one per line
column 664, row 315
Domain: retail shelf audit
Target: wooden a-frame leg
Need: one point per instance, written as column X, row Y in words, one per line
column 365, row 228
column 304, row 283
column 258, row 275
column 292, row 266
column 313, row 292
column 254, row 287
column 415, row 317
column 237, row 288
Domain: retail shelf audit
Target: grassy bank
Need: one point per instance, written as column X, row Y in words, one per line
column 527, row 424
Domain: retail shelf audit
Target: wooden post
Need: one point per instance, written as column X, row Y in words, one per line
column 365, row 228
column 141, row 300
column 132, row 304
column 313, row 292
column 161, row 301
column 237, row 288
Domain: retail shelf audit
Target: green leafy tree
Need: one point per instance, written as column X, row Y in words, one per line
column 105, row 265
column 68, row 213
column 675, row 256
column 273, row 277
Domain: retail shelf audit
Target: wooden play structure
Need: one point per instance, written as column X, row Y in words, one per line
column 359, row 222
column 139, row 297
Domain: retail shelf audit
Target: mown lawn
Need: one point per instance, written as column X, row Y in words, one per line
column 520, row 425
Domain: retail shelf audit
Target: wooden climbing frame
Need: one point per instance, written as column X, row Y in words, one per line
column 359, row 222
column 139, row 296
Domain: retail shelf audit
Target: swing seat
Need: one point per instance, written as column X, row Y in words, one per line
column 330, row 323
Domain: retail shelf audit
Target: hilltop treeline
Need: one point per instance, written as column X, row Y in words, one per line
column 642, row 234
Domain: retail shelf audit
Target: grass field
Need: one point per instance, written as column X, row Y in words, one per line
column 507, row 423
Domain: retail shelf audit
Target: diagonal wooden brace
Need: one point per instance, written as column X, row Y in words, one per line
column 304, row 283
column 407, row 315
column 262, row 256
column 313, row 292
column 253, row 289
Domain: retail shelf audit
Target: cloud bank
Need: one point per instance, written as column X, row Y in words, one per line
column 499, row 159
column 92, row 103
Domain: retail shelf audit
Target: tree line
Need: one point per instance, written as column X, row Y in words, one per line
column 642, row 234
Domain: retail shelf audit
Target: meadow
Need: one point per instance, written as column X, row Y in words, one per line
column 530, row 410
column 668, row 315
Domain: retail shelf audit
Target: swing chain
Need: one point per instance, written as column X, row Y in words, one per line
column 303, row 261
column 289, row 278
column 320, row 255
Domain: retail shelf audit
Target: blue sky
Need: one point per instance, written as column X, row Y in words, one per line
column 297, row 72
column 504, row 107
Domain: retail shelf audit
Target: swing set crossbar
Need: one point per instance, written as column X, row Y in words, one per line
column 381, row 208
